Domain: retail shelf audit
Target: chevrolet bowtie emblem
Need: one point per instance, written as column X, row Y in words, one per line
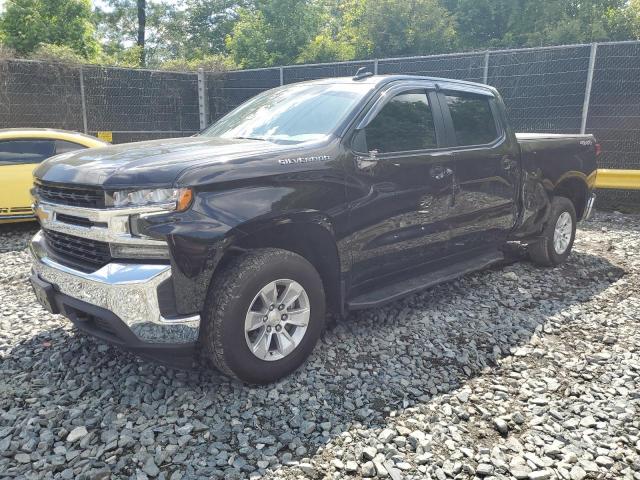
column 42, row 214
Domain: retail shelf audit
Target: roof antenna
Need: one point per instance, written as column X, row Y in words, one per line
column 362, row 73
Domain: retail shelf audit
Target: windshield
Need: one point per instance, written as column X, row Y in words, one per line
column 291, row 114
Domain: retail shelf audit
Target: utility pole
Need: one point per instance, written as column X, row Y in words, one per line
column 142, row 24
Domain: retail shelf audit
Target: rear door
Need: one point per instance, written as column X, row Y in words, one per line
column 485, row 185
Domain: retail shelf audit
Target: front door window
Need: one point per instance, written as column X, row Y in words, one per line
column 404, row 124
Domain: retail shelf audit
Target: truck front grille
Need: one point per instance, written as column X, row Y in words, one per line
column 77, row 197
column 85, row 254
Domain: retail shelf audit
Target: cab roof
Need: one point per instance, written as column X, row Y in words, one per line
column 378, row 81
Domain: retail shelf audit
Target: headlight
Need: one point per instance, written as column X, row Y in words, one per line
column 167, row 198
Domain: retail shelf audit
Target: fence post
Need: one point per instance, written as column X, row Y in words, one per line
column 281, row 76
column 375, row 66
column 485, row 73
column 203, row 100
column 587, row 93
column 84, row 102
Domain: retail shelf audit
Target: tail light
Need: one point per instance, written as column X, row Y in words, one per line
column 598, row 149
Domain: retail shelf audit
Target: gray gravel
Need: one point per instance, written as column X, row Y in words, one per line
column 515, row 372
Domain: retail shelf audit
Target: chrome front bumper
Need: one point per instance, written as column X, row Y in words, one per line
column 127, row 290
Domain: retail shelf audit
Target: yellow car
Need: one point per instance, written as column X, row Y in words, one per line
column 21, row 150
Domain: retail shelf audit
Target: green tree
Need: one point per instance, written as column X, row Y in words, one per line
column 515, row 23
column 248, row 43
column 202, row 26
column 557, row 22
column 484, row 23
column 337, row 39
column 126, row 27
column 27, row 24
column 410, row 27
column 381, row 28
column 273, row 32
column 624, row 23
column 326, row 48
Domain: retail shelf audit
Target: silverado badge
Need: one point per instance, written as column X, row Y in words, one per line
column 291, row 161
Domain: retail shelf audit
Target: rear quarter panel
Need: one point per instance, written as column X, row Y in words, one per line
column 548, row 161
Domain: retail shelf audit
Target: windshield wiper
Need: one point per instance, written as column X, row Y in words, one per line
column 249, row 138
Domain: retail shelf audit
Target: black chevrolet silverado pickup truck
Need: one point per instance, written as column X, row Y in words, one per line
column 311, row 199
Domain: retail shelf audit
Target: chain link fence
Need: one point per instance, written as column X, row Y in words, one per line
column 39, row 95
column 544, row 90
column 130, row 104
column 140, row 104
column 568, row 89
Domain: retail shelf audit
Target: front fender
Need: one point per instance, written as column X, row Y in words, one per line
column 220, row 219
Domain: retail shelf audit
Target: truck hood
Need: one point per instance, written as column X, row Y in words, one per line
column 151, row 163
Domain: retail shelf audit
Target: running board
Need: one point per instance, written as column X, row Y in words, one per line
column 395, row 291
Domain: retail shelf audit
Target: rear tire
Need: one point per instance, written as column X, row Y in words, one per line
column 248, row 302
column 555, row 244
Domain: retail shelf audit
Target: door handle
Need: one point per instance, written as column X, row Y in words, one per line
column 439, row 172
column 508, row 163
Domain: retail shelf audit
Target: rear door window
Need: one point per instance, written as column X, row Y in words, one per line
column 19, row 152
column 404, row 124
column 472, row 118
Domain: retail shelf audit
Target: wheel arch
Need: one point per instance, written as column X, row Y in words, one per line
column 308, row 234
column 574, row 188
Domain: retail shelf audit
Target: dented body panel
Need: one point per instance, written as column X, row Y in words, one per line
column 549, row 162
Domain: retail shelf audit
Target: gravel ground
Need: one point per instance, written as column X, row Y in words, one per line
column 515, row 372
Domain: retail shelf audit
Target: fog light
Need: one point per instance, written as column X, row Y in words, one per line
column 150, row 252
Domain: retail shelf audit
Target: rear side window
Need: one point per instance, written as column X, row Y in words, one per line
column 19, row 152
column 472, row 118
column 404, row 124
column 63, row 146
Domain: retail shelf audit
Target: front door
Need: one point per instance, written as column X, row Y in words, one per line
column 399, row 187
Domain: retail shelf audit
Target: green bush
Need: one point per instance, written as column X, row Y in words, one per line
column 211, row 63
column 47, row 52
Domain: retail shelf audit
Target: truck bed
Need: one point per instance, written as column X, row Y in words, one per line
column 550, row 136
column 555, row 146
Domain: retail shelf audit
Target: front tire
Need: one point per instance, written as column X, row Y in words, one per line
column 555, row 244
column 263, row 316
